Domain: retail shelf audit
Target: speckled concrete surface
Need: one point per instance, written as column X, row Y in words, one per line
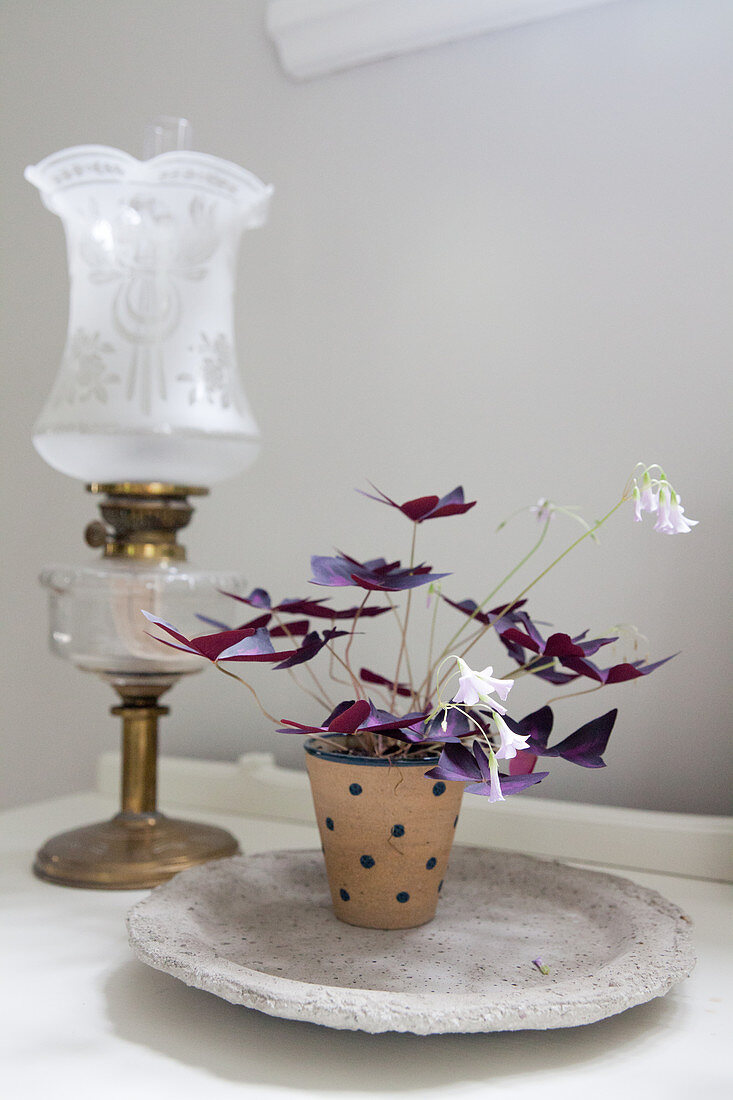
column 259, row 931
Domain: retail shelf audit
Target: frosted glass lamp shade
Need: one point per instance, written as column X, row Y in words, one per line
column 149, row 388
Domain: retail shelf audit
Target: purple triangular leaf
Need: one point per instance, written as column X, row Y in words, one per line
column 257, row 644
column 457, row 726
column 349, row 720
column 536, row 726
column 483, row 762
column 586, row 745
column 370, row 677
column 456, row 763
column 510, row 784
column 523, row 763
column 213, row 622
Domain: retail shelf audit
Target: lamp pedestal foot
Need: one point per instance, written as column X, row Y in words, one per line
column 130, row 852
column 139, row 847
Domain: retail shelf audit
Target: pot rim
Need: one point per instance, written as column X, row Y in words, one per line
column 311, row 747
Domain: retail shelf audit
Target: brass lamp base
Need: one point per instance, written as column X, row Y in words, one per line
column 130, row 852
column 139, row 847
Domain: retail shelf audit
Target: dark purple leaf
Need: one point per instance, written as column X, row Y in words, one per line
column 457, row 726
column 537, row 726
column 523, row 763
column 350, row 719
column 377, row 574
column 616, row 674
column 507, row 611
column 519, row 638
column 360, row 715
column 258, row 597
column 213, row 622
column 337, row 710
column 247, row 644
column 312, row 644
column 586, row 745
column 543, row 670
column 591, row 647
column 483, row 762
column 510, row 784
column 257, row 622
column 258, row 647
column 562, row 645
column 370, row 677
column 427, row 507
column 457, row 763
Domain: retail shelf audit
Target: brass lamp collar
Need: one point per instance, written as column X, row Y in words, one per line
column 141, row 519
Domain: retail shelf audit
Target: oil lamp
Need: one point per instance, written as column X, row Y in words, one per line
column 147, row 409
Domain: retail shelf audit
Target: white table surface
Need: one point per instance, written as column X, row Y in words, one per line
column 81, row 1017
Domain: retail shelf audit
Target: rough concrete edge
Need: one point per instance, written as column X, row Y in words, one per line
column 374, row 1011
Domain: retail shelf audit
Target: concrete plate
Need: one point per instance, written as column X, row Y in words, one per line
column 259, row 931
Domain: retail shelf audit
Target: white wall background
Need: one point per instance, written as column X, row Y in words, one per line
column 503, row 262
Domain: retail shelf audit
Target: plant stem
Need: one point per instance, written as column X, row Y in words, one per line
column 331, row 663
column 398, row 620
column 572, row 694
column 249, row 688
column 353, row 629
column 403, row 643
column 322, row 702
column 425, row 685
column 354, row 682
column 586, row 534
column 494, row 590
column 308, row 669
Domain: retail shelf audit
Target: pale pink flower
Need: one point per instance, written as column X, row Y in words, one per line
column 656, row 495
column 671, row 519
column 510, row 741
column 649, row 494
column 543, row 509
column 476, row 687
column 495, row 794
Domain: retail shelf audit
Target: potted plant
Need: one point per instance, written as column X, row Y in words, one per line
column 389, row 763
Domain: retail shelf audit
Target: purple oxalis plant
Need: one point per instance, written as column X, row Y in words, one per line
column 416, row 714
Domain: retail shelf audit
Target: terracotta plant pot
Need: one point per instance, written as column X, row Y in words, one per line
column 386, row 832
